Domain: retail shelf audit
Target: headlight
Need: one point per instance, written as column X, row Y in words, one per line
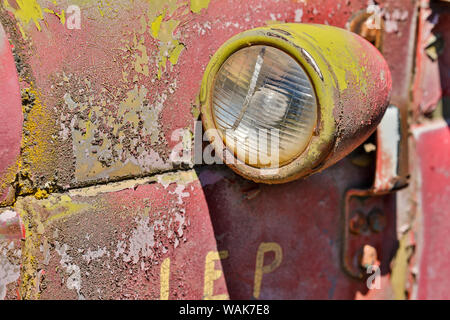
column 261, row 95
column 282, row 102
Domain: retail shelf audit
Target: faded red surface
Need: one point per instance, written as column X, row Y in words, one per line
column 433, row 157
column 303, row 217
column 62, row 60
column 11, row 111
column 112, row 245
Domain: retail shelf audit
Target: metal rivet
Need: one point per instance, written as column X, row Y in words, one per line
column 376, row 220
column 358, row 223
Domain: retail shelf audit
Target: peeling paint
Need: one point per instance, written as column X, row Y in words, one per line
column 73, row 282
column 38, row 141
column 27, row 11
column 105, row 147
column 162, row 28
column 198, row 5
column 141, row 241
column 9, row 265
column 61, row 16
column 74, row 238
column 181, row 177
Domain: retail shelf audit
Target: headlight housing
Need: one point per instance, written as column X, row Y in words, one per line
column 282, row 102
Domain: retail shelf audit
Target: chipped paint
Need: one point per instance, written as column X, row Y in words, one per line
column 393, row 18
column 11, row 226
column 26, row 12
column 388, row 149
column 141, row 58
column 9, row 265
column 298, row 15
column 98, row 139
column 37, row 142
column 182, row 177
column 95, row 254
column 162, row 28
column 198, row 5
column 141, row 241
column 77, row 243
column 61, row 16
column 73, row 282
column 35, row 229
column 63, row 206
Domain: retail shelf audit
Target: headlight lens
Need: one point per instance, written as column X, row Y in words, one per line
column 264, row 106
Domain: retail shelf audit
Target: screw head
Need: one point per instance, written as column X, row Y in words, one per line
column 357, row 223
column 377, row 220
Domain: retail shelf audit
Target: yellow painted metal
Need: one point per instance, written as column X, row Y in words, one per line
column 328, row 55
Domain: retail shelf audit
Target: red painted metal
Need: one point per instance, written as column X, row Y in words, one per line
column 388, row 179
column 94, row 60
column 11, row 116
column 304, row 218
column 226, row 213
column 433, row 165
column 150, row 241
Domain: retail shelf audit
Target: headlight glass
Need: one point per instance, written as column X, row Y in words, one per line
column 264, row 106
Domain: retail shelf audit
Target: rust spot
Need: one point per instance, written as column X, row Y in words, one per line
column 359, row 24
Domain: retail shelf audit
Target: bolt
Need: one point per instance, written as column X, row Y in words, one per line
column 377, row 220
column 358, row 223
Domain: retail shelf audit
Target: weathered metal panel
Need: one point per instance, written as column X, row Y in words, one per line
column 424, row 219
column 433, row 193
column 10, row 121
column 10, row 256
column 106, row 98
column 146, row 239
column 432, row 74
column 102, row 103
column 301, row 221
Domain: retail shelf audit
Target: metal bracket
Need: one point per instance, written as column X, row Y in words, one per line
column 389, row 177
